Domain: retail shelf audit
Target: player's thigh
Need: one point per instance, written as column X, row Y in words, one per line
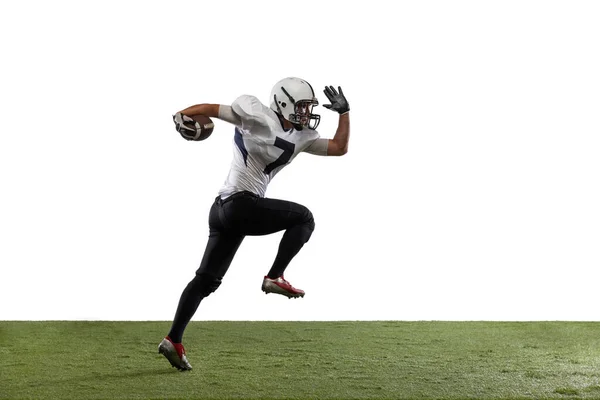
column 263, row 216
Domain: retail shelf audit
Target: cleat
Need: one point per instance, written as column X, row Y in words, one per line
column 282, row 287
column 175, row 353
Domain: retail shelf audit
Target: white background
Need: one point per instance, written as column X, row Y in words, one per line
column 470, row 191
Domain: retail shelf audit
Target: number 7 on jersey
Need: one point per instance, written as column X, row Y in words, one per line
column 284, row 158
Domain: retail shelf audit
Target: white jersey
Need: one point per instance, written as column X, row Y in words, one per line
column 262, row 148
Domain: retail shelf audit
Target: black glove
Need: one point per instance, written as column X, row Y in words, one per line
column 338, row 100
column 184, row 124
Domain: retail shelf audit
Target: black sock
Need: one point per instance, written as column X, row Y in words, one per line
column 201, row 286
column 292, row 241
column 188, row 304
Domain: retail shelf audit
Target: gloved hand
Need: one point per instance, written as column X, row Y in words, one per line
column 338, row 100
column 184, row 125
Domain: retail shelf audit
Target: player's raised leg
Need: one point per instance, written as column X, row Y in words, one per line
column 261, row 216
column 294, row 238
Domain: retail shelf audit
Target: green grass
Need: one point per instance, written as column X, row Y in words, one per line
column 303, row 360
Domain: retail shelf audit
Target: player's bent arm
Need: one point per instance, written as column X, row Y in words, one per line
column 338, row 146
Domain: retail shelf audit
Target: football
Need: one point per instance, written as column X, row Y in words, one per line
column 204, row 127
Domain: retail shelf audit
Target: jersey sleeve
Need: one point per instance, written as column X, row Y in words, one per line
column 318, row 147
column 226, row 114
column 250, row 112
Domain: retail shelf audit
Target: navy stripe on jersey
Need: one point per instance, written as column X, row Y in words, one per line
column 239, row 141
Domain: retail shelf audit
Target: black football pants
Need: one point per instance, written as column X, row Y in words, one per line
column 230, row 220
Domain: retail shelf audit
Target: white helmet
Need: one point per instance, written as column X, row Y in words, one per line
column 294, row 99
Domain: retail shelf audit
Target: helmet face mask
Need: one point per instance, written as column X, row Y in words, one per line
column 294, row 99
column 303, row 115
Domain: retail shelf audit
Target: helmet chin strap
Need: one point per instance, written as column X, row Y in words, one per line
column 295, row 124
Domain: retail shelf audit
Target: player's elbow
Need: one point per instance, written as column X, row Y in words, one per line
column 336, row 149
column 341, row 150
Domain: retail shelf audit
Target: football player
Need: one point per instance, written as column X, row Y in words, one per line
column 266, row 139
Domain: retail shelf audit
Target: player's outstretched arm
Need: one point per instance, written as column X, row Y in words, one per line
column 338, row 146
column 209, row 110
column 221, row 111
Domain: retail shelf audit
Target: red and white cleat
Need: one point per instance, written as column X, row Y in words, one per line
column 281, row 286
column 175, row 353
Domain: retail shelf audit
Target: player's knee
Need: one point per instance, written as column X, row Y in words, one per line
column 309, row 224
column 310, row 221
column 206, row 284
